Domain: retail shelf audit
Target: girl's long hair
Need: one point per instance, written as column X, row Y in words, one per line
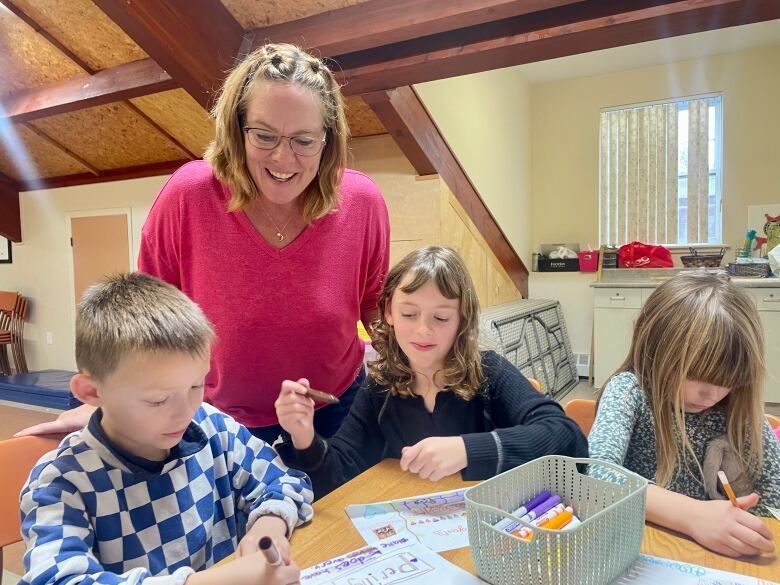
column 700, row 327
column 463, row 366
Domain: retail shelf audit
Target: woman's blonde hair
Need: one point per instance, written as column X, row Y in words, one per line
column 463, row 366
column 700, row 327
column 226, row 154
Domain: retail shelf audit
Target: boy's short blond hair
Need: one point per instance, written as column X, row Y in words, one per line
column 135, row 313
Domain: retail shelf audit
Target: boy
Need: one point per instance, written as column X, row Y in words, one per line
column 150, row 491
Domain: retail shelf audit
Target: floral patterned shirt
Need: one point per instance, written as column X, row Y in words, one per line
column 624, row 434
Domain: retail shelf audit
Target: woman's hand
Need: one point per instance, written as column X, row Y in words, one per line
column 295, row 412
column 271, row 526
column 435, row 457
column 68, row 421
column 730, row 531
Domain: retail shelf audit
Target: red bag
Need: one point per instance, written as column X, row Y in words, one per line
column 639, row 255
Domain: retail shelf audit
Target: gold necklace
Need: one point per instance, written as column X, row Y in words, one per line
column 279, row 231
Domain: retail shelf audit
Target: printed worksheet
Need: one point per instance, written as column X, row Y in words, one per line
column 436, row 520
column 649, row 570
column 396, row 560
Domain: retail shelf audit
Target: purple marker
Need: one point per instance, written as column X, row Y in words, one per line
column 505, row 523
column 548, row 504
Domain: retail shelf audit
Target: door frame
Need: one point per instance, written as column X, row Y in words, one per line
column 69, row 216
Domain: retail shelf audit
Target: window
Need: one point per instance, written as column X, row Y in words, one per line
column 660, row 177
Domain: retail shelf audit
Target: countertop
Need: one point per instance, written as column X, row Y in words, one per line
column 652, row 277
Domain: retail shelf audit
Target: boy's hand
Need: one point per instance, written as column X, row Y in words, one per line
column 435, row 457
column 271, row 526
column 730, row 531
column 295, row 412
column 248, row 570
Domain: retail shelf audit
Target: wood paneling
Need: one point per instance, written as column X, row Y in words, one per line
column 383, row 22
column 256, row 13
column 150, row 170
column 28, row 60
column 85, row 30
column 195, row 44
column 110, row 137
column 181, row 117
column 10, row 217
column 362, row 119
column 84, row 91
column 24, row 156
column 579, row 28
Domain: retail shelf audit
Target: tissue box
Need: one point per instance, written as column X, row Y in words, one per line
column 547, row 264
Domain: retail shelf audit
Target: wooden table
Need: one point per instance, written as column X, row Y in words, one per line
column 331, row 533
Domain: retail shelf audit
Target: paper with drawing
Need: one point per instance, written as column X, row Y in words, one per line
column 396, row 560
column 649, row 570
column 436, row 520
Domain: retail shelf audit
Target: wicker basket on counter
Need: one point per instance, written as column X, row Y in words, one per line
column 696, row 260
column 757, row 270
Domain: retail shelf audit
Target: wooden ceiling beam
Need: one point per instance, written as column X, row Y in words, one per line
column 136, row 172
column 416, row 121
column 10, row 215
column 62, row 148
column 110, row 85
column 196, row 42
column 383, row 22
column 586, row 26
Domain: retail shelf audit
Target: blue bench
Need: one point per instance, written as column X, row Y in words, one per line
column 47, row 388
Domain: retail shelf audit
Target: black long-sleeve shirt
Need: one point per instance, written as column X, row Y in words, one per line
column 507, row 423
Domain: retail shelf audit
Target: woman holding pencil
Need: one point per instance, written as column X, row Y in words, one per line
column 283, row 248
column 687, row 406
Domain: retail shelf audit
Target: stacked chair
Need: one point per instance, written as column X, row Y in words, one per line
column 13, row 312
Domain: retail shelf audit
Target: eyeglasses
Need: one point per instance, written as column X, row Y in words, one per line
column 303, row 145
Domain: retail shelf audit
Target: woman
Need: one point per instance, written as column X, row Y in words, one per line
column 282, row 247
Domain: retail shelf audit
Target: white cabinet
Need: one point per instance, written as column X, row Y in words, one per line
column 768, row 302
column 615, row 310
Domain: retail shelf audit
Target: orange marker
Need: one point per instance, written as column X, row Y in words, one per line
column 559, row 521
column 727, row 488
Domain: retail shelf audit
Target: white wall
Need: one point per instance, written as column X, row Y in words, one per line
column 41, row 265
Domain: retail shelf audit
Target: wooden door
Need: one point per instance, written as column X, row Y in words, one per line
column 100, row 247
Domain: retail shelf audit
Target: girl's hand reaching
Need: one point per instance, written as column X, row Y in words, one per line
column 435, row 457
column 727, row 530
column 295, row 412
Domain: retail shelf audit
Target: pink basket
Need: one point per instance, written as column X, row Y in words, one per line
column 589, row 260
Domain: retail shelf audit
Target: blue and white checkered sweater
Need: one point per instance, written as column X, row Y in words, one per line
column 89, row 516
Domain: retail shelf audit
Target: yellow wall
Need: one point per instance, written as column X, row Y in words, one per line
column 486, row 119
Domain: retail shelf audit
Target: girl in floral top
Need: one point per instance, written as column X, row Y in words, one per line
column 688, row 402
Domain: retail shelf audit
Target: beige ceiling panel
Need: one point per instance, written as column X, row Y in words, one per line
column 27, row 156
column 259, row 13
column 181, row 116
column 110, row 137
column 27, row 60
column 362, row 119
column 85, row 29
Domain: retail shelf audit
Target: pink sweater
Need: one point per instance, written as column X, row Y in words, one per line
column 278, row 314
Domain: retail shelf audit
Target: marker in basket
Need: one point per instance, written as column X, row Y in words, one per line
column 548, row 504
column 541, row 520
column 559, row 521
column 272, row 556
column 727, row 488
column 320, row 396
column 505, row 523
